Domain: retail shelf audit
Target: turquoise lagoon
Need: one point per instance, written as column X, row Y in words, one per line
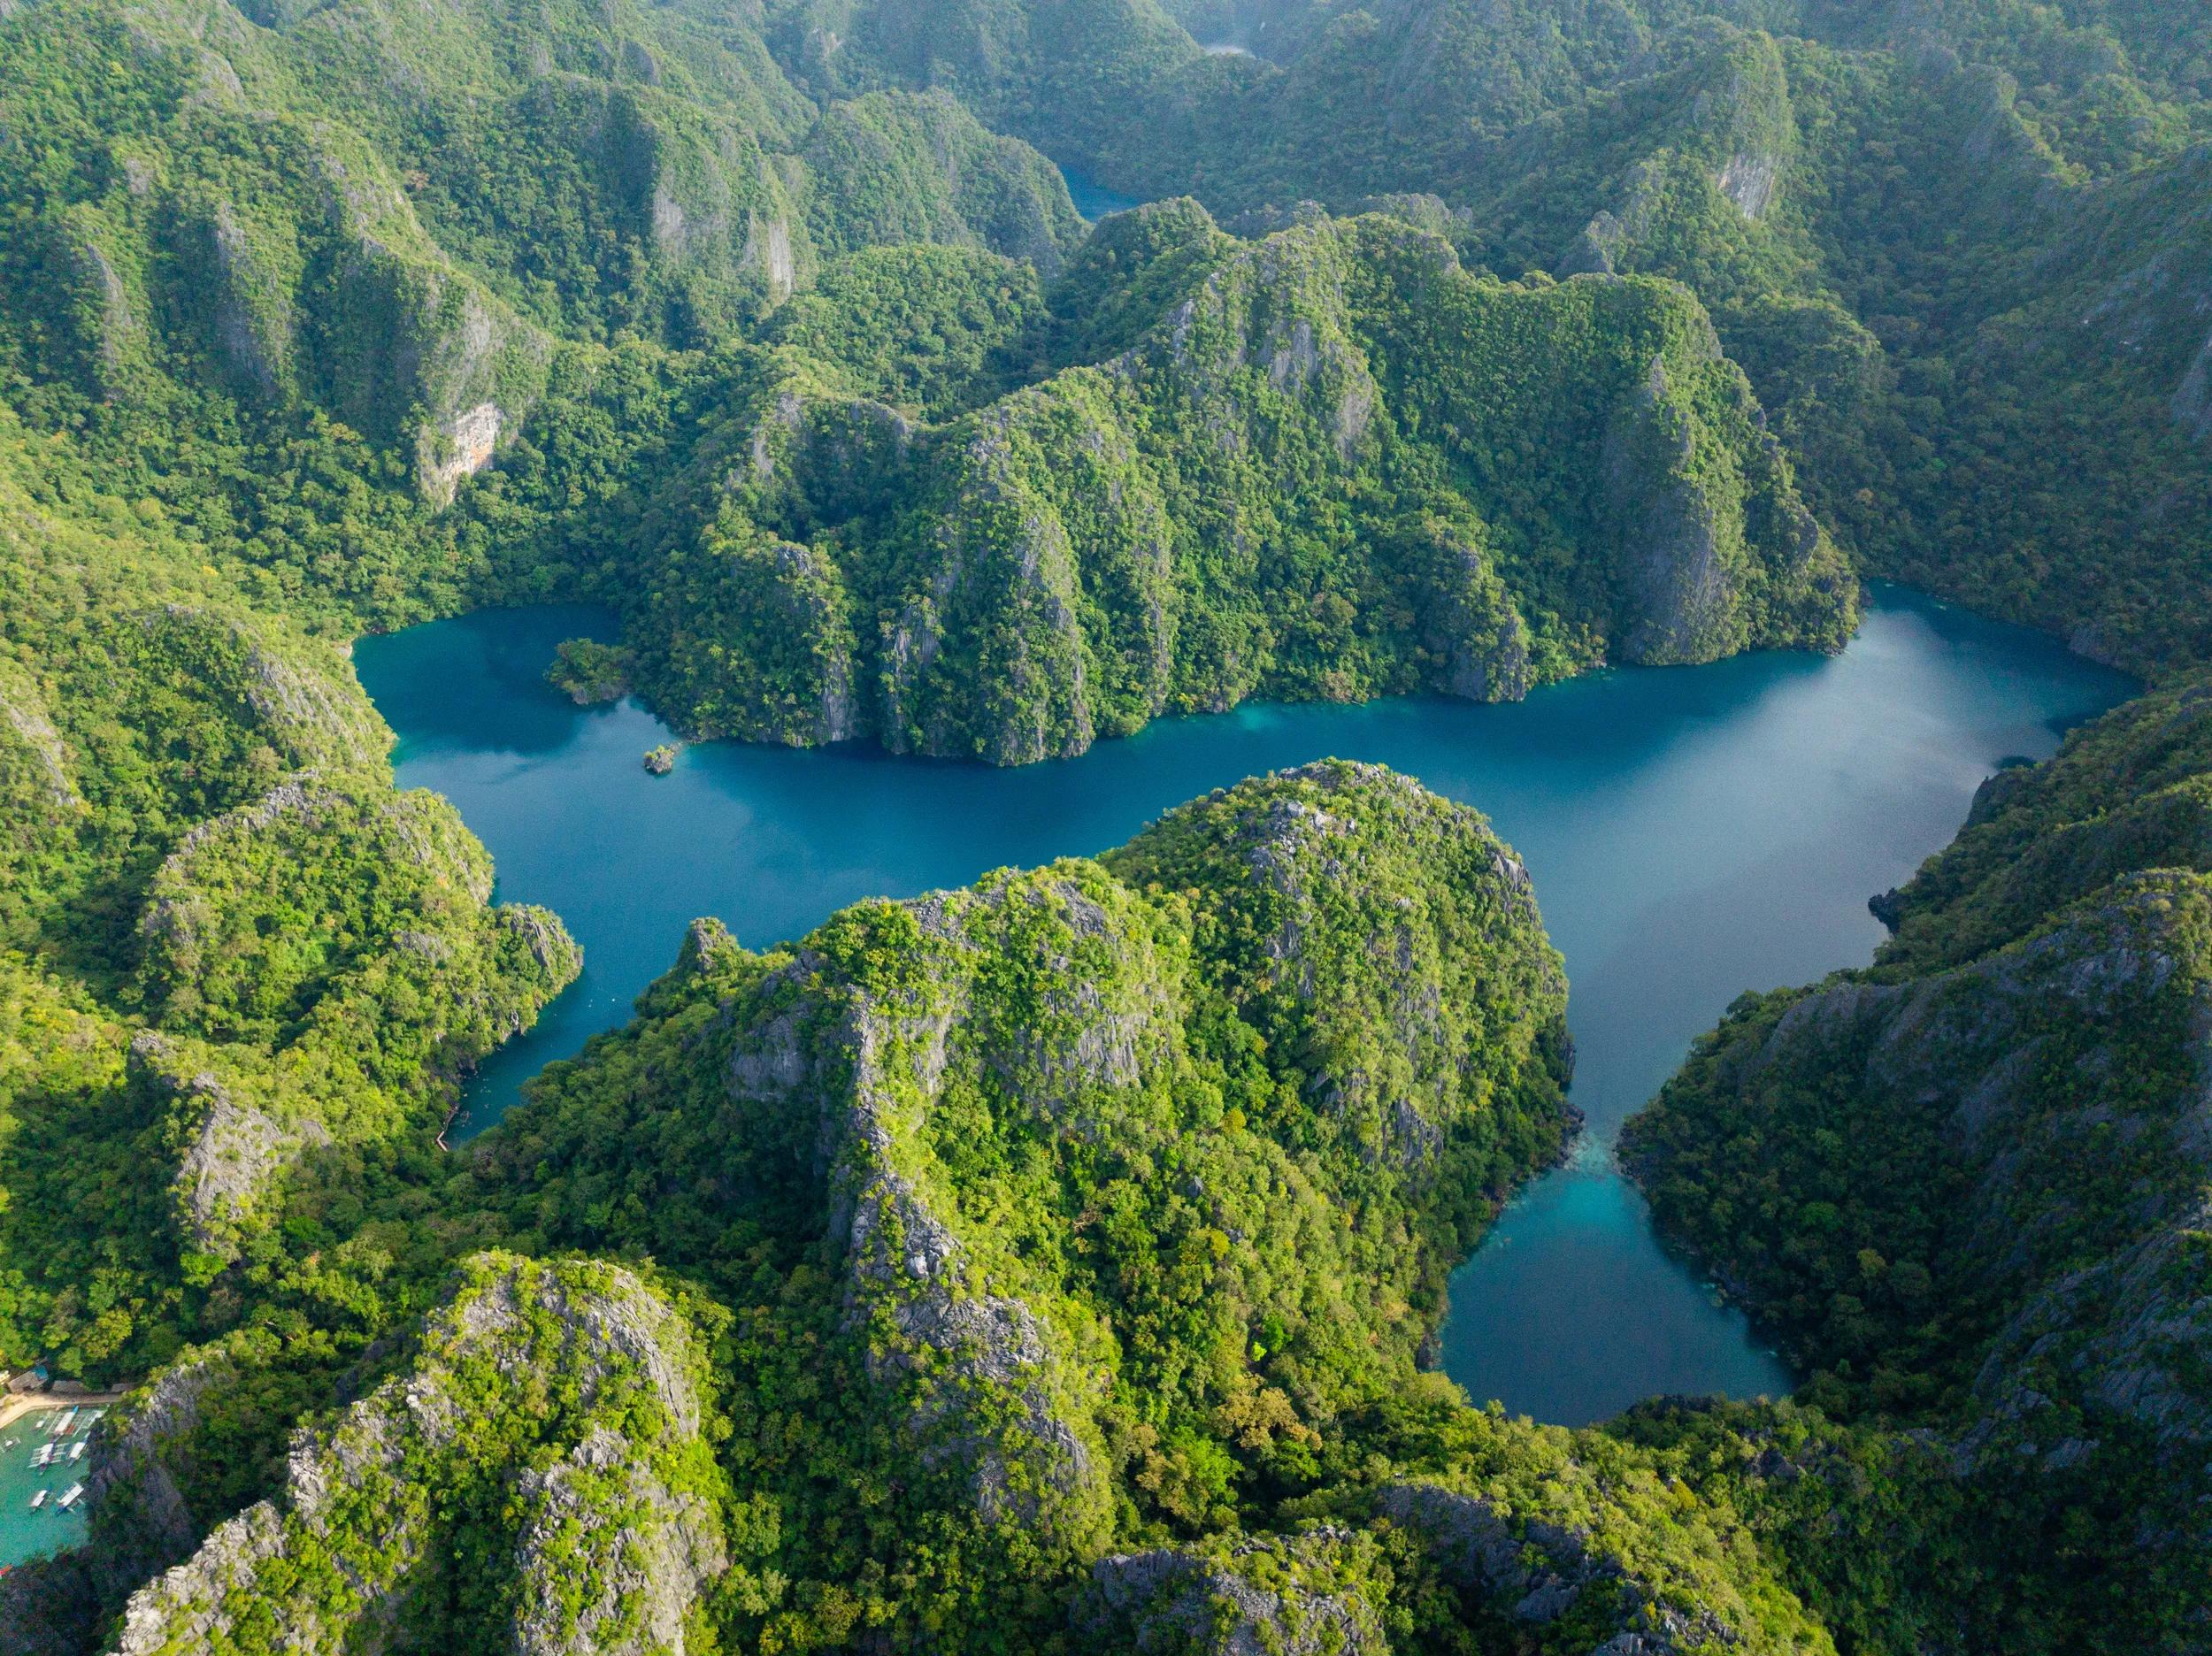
column 1694, row 833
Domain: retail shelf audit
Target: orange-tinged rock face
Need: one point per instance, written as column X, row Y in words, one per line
column 474, row 435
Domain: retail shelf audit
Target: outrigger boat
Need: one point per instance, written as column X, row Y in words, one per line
column 69, row 1499
column 38, row 1500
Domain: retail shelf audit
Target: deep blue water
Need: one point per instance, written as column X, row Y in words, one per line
column 1092, row 199
column 1693, row 832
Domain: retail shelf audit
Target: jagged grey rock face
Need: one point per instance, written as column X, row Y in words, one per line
column 544, row 935
column 120, row 328
column 326, row 1564
column 1750, row 181
column 611, row 1560
column 1535, row 1572
column 234, row 1150
column 24, row 713
column 1280, row 309
column 2193, row 397
column 1678, row 571
column 138, row 1518
column 468, row 441
column 1055, row 1002
column 768, row 253
column 1614, row 236
column 425, row 337
column 2117, row 1320
column 2127, row 1332
column 254, row 320
column 1017, row 541
column 2167, row 827
column 1474, row 625
column 1005, row 555
column 1268, row 1596
column 287, row 799
column 807, row 572
column 983, row 1382
column 2132, row 1333
column 307, row 717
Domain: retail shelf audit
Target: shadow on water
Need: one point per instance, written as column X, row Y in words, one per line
column 1693, row 832
column 1092, row 199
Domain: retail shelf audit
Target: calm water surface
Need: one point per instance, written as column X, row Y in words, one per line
column 1693, row 832
column 26, row 1534
column 1092, row 199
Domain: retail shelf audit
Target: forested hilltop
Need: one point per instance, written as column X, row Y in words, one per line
column 798, row 388
column 1971, row 1183
column 1039, row 1267
column 1959, row 245
column 1053, row 1266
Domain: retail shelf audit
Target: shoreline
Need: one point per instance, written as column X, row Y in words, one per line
column 24, row 1404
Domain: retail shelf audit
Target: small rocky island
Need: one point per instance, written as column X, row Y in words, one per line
column 590, row 673
column 661, row 759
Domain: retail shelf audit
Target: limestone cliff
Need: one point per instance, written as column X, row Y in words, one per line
column 1320, row 983
column 581, row 1360
column 1280, row 1594
column 1202, row 517
column 1986, row 1158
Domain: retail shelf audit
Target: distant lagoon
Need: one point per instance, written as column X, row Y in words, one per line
column 1092, row 199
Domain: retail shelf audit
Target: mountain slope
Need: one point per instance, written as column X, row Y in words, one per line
column 1078, row 1232
column 229, row 943
column 1952, row 244
column 1971, row 1182
column 1338, row 467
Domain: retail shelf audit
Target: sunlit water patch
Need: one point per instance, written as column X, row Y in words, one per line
column 27, row 1531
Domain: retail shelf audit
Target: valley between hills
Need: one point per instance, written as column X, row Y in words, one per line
column 1056, row 1256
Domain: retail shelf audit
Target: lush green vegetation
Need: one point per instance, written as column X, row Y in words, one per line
column 589, row 672
column 228, row 941
column 1047, row 1266
column 1097, row 1209
column 1971, row 1182
column 1339, row 467
column 1954, row 244
column 1048, row 1184
column 804, row 423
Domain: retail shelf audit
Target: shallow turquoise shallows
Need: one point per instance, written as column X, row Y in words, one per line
column 27, row 1532
column 1693, row 831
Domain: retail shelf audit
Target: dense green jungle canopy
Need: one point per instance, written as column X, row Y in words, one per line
column 1051, row 1266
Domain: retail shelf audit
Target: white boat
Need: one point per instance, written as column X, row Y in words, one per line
column 38, row 1500
column 69, row 1496
column 76, row 1450
column 41, row 1455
